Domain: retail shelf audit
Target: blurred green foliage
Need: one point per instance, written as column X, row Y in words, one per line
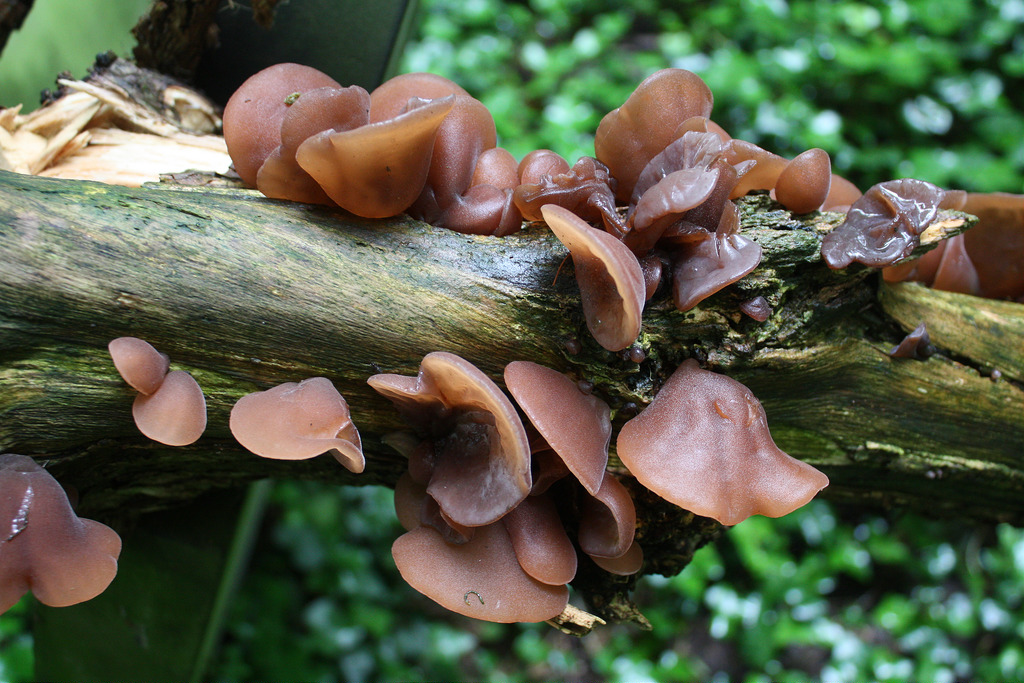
column 889, row 89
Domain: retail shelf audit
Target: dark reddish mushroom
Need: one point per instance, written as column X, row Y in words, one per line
column 481, row 578
column 607, row 520
column 577, row 426
column 884, row 225
column 253, row 114
column 586, row 189
column 916, row 345
column 703, row 444
column 476, row 455
column 611, row 282
column 803, row 185
column 297, row 421
column 139, row 364
column 45, row 547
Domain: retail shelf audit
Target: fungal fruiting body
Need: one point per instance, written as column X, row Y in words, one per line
column 296, row 421
column 703, row 444
column 44, row 546
column 170, row 407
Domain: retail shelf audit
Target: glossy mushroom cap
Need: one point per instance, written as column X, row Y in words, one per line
column 298, row 421
column 175, row 414
column 703, row 444
column 481, row 578
column 253, row 114
column 391, row 98
column 611, row 282
column 45, row 547
column 804, row 183
column 478, row 459
column 916, row 345
column 884, row 225
column 628, row 137
column 140, row 365
column 607, row 520
column 379, row 169
column 575, row 425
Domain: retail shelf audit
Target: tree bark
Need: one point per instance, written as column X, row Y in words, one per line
column 246, row 292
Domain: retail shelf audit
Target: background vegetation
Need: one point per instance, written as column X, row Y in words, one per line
column 889, row 89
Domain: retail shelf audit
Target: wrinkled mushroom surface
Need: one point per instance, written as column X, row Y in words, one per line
column 703, row 444
column 44, row 546
column 884, row 225
column 296, row 421
column 481, row 578
column 610, row 279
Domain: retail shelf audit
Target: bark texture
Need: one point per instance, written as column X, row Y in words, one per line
column 245, row 293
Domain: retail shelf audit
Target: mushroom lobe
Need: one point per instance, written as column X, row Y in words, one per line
column 703, row 444
column 541, row 545
column 297, row 421
column 175, row 414
column 140, row 365
column 480, row 578
column 884, row 225
column 575, row 425
column 44, row 546
column 610, row 279
column 479, row 457
column 608, row 520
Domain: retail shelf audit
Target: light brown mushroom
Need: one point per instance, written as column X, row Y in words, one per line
column 476, row 455
column 45, row 547
column 175, row 414
column 703, row 444
column 607, row 520
column 627, row 564
column 481, row 578
column 541, row 545
column 804, row 183
column 610, row 279
column 575, row 425
column 139, row 364
column 297, row 421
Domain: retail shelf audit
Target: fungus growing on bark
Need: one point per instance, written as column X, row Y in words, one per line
column 757, row 308
column 703, row 444
column 607, row 520
column 575, row 425
column 631, row 135
column 916, row 345
column 627, row 564
column 704, row 267
column 541, row 545
column 139, row 364
column 476, row 455
column 297, row 421
column 804, row 183
column 45, row 547
column 171, row 409
column 586, row 189
column 884, row 225
column 611, row 282
column 481, row 578
column 175, row 414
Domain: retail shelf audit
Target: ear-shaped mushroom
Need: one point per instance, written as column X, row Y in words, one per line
column 628, row 137
column 916, row 345
column 175, row 414
column 377, row 170
column 479, row 452
column 703, row 444
column 391, row 98
column 884, row 225
column 804, row 183
column 576, row 425
column 996, row 244
column 44, row 546
column 607, row 520
column 611, row 282
column 253, row 114
column 140, row 365
column 705, row 267
column 298, row 421
column 481, row 578
column 541, row 545
column 586, row 189
column 315, row 111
